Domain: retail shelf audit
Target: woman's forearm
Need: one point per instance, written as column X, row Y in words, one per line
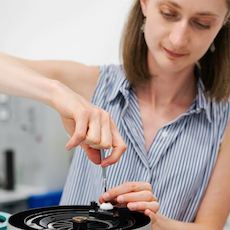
column 81, row 78
column 163, row 223
column 17, row 79
column 78, row 115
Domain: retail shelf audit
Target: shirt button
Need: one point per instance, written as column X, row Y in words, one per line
column 164, row 134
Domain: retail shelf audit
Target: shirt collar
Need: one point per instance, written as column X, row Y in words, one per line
column 121, row 86
column 202, row 101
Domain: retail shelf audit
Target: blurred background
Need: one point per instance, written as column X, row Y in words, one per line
column 33, row 159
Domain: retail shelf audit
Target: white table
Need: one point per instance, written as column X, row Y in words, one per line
column 21, row 192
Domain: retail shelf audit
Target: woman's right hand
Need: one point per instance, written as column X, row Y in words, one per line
column 89, row 126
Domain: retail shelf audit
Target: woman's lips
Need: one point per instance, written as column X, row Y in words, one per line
column 173, row 54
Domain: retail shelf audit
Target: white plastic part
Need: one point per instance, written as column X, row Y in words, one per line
column 106, row 206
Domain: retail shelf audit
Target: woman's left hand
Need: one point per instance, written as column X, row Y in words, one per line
column 137, row 196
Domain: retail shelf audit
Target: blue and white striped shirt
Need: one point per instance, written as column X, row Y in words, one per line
column 179, row 162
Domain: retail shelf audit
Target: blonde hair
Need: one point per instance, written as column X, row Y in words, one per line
column 215, row 66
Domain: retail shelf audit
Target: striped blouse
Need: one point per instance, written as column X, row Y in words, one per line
column 179, row 162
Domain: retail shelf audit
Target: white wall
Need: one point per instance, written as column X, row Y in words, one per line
column 86, row 31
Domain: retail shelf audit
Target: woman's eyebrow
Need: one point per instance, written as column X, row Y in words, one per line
column 203, row 13
column 207, row 13
column 171, row 3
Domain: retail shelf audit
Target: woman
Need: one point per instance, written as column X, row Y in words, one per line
column 170, row 102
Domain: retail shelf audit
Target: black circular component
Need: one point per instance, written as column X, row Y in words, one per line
column 80, row 222
column 78, row 218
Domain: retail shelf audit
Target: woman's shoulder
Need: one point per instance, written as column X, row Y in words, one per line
column 214, row 107
column 111, row 80
column 220, row 109
column 220, row 114
column 112, row 72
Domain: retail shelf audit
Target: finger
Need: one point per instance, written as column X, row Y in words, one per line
column 125, row 188
column 93, row 137
column 93, row 154
column 81, row 126
column 143, row 205
column 119, row 147
column 136, row 196
column 151, row 215
column 113, row 202
column 106, row 132
column 69, row 125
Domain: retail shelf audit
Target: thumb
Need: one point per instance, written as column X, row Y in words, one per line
column 151, row 215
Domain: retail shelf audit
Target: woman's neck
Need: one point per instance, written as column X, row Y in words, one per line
column 166, row 88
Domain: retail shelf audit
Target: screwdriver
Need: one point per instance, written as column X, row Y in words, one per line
column 103, row 171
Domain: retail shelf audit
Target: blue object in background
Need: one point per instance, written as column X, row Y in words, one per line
column 4, row 220
column 44, row 200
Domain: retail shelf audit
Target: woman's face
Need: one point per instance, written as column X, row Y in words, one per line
column 179, row 32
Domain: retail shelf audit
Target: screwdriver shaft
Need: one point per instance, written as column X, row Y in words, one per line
column 104, row 171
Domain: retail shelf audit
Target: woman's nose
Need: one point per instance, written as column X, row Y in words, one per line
column 179, row 35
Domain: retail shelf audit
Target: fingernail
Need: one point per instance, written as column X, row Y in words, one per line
column 67, row 147
column 106, row 196
column 156, row 205
column 104, row 164
column 132, row 206
column 147, row 212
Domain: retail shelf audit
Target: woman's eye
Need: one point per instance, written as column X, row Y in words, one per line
column 168, row 14
column 201, row 25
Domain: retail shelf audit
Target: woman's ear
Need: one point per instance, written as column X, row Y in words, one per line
column 144, row 4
